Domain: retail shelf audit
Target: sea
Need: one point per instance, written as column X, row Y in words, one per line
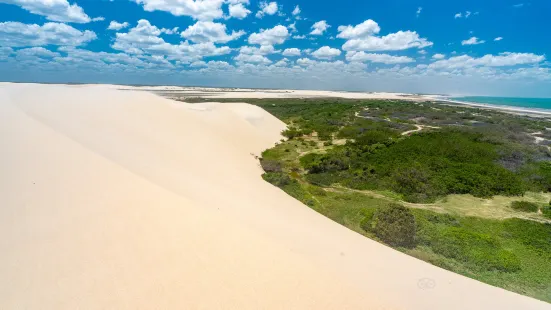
column 535, row 103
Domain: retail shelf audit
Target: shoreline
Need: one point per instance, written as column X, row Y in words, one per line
column 535, row 112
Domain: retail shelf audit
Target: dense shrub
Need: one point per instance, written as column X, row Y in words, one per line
column 525, row 206
column 395, row 225
column 269, row 165
column 279, row 179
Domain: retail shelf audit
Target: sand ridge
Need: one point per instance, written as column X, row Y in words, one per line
column 125, row 200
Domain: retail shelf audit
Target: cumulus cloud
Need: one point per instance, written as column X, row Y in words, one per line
column 291, row 52
column 498, row 39
column 400, row 40
column 472, row 41
column 37, row 54
column 114, row 25
column 54, row 10
column 326, row 52
column 238, row 11
column 262, row 50
column 197, row 9
column 255, row 59
column 360, row 31
column 267, row 9
column 207, row 31
column 144, row 39
column 378, row 58
column 296, row 11
column 438, row 56
column 273, row 36
column 319, row 28
column 501, row 60
column 16, row 34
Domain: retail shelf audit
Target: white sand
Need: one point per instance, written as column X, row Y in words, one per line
column 243, row 93
column 124, row 200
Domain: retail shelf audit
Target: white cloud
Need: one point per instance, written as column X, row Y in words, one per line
column 267, row 9
column 255, row 59
column 238, row 11
column 197, row 9
column 299, row 37
column 54, row 10
column 198, row 64
column 472, row 41
column 422, row 52
column 296, row 11
column 291, row 52
column 170, row 31
column 262, row 50
column 276, row 35
column 114, row 25
column 501, row 60
column 438, row 56
column 207, row 31
column 35, row 52
column 419, row 9
column 400, row 40
column 144, row 38
column 282, row 63
column 518, row 6
column 467, row 14
column 326, row 52
column 98, row 19
column 293, row 27
column 498, row 39
column 360, row 31
column 377, row 58
column 5, row 52
column 15, row 34
column 319, row 28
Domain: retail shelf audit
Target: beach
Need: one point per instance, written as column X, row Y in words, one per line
column 114, row 197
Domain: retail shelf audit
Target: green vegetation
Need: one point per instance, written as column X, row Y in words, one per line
column 525, row 206
column 464, row 192
column 395, row 225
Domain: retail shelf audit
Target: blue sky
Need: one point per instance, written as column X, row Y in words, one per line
column 492, row 47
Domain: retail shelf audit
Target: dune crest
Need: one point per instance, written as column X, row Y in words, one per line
column 116, row 199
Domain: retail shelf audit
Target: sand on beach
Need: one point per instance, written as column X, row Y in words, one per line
column 121, row 199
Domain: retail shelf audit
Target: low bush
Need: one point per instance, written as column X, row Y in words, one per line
column 395, row 225
column 525, row 206
column 279, row 179
column 269, row 165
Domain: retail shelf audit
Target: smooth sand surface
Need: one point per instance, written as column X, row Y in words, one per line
column 116, row 199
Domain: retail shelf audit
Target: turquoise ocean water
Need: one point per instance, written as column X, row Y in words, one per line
column 536, row 103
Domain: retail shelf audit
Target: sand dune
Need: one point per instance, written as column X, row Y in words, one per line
column 116, row 199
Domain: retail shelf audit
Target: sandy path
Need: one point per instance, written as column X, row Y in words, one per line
column 124, row 200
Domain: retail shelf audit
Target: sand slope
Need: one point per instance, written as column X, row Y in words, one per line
column 123, row 200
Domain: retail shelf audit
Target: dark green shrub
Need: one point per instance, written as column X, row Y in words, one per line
column 546, row 211
column 279, row 179
column 269, row 165
column 525, row 206
column 395, row 225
